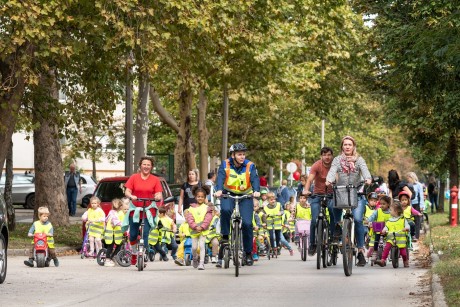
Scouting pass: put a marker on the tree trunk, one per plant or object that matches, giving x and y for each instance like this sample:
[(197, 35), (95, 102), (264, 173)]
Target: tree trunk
[(8, 188), (184, 157), (49, 171), (142, 119), (203, 135), (441, 197), (13, 86)]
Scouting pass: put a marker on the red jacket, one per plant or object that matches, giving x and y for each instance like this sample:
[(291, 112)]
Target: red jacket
[(206, 222)]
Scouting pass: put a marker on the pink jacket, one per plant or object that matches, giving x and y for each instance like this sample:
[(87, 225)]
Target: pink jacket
[(207, 218), (113, 219)]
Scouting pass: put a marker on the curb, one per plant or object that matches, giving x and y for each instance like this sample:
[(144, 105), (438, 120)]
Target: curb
[(25, 251), (437, 292)]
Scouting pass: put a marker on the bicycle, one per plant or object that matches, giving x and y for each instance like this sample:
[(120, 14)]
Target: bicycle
[(377, 227), (233, 250), (322, 232), (302, 229), (394, 251)]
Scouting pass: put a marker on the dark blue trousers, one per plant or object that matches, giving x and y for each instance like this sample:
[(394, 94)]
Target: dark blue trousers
[(246, 210)]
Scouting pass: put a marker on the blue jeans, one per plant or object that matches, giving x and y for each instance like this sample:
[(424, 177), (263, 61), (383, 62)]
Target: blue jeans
[(134, 231), (434, 202), (284, 242), (358, 214), (315, 204), (246, 211), (72, 200)]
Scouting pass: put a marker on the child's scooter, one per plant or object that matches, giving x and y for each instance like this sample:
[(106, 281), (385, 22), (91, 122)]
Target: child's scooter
[(41, 250)]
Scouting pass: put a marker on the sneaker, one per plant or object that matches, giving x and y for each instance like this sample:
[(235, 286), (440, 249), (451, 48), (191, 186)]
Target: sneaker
[(29, 262), (381, 262), (361, 259), (164, 258), (109, 263), (249, 260), (406, 263), (179, 261), (312, 251), (133, 259), (414, 239), (291, 252), (56, 262), (255, 257), (219, 263), (201, 267), (213, 259), (195, 262), (374, 256)]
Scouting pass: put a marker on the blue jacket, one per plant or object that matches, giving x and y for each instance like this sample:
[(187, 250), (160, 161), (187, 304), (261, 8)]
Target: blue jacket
[(221, 176)]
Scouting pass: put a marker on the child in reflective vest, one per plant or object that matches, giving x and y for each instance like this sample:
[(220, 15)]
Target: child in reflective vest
[(289, 221), (199, 218), (184, 232), (256, 231), (302, 213), (381, 215), (372, 199), (113, 234), (409, 212), (212, 238), (42, 226), (168, 231), (395, 227), (94, 218)]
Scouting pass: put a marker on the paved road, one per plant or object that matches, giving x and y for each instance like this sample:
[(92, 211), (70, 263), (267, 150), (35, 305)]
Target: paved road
[(280, 282)]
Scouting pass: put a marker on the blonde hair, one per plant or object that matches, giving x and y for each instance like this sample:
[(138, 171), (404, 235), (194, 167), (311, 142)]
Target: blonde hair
[(271, 194), (96, 199), (116, 204), (412, 176), (43, 210)]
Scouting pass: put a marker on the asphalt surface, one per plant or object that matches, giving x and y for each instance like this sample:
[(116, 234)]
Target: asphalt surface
[(286, 281)]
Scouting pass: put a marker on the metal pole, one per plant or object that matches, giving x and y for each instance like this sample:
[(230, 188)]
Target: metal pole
[(129, 125), (322, 133), (281, 171), (225, 125)]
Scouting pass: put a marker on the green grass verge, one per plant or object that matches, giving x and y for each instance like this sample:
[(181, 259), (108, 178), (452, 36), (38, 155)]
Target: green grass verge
[(63, 236), (446, 242)]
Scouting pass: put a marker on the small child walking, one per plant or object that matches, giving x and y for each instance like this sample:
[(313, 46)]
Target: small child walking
[(199, 219), (113, 234), (42, 226), (94, 218), (396, 226)]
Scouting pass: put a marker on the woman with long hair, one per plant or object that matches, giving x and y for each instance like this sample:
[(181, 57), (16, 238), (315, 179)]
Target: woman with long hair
[(186, 196)]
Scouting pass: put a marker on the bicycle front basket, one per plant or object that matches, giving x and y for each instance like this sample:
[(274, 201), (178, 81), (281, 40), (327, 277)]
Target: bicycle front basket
[(345, 197)]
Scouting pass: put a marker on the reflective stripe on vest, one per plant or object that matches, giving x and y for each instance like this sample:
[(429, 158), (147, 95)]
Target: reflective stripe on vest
[(153, 236), (302, 213), (212, 233), (40, 228), (273, 222), (237, 183), (96, 228), (166, 231), (393, 227), (198, 214), (113, 233)]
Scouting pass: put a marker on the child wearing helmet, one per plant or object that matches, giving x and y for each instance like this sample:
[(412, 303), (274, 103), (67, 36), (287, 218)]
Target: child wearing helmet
[(263, 201), (372, 199), (409, 212), (43, 225), (380, 215)]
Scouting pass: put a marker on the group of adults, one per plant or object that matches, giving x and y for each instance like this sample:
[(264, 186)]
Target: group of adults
[(238, 175)]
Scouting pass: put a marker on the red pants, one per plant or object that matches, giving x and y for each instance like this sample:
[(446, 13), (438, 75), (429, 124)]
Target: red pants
[(386, 251)]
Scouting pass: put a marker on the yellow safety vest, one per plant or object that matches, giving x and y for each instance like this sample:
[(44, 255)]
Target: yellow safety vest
[(184, 229), (113, 233), (198, 214), (40, 228), (96, 228), (302, 213), (368, 212), (382, 216), (212, 233), (166, 231), (408, 213), (237, 183), (275, 220), (154, 235), (394, 226)]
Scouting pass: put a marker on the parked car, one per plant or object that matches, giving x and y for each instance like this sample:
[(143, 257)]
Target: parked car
[(23, 189), (114, 187), (88, 186), (4, 236)]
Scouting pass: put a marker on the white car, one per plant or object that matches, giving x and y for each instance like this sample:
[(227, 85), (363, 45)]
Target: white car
[(88, 186)]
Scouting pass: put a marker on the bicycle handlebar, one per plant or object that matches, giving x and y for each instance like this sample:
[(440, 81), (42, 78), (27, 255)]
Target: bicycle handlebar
[(237, 197), (148, 199), (321, 195)]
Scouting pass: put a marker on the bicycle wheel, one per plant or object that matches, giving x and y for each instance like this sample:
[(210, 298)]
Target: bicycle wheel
[(334, 254), (101, 255), (268, 248), (236, 247), (226, 257), (395, 256), (304, 245), (319, 243), (347, 247), (324, 249), (124, 258)]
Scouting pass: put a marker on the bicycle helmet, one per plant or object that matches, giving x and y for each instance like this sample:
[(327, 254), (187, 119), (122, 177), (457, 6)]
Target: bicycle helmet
[(237, 147), (372, 195), (403, 193), (263, 191)]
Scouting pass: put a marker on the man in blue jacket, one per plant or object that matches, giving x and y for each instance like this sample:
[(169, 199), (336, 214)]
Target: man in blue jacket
[(238, 176)]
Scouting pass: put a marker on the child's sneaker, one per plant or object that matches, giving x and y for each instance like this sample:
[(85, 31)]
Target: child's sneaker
[(201, 266), (133, 259), (179, 261), (109, 263), (195, 262), (291, 252), (29, 262), (255, 257), (381, 262), (406, 263), (219, 263), (213, 259), (56, 262), (164, 258)]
